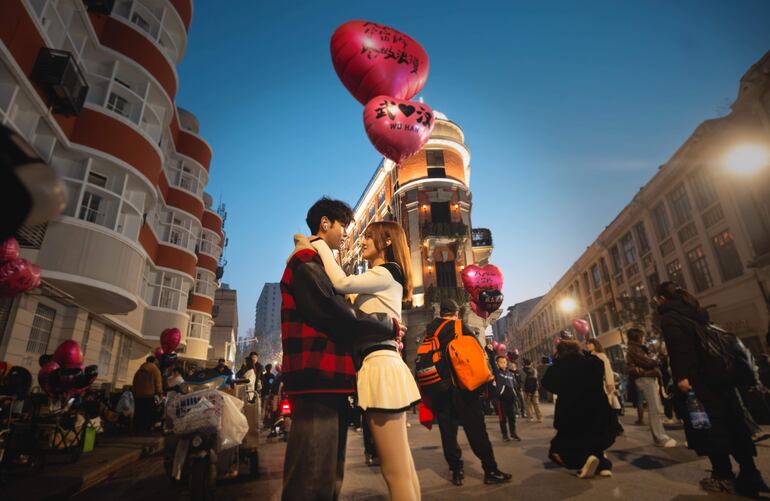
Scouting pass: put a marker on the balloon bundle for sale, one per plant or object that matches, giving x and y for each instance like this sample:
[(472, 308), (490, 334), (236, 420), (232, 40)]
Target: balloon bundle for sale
[(484, 284), (17, 275), (62, 374), (384, 68)]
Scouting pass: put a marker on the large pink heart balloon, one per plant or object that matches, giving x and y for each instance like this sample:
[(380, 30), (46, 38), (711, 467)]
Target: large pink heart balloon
[(17, 276), (398, 128), (477, 278), (170, 338), (581, 326), (68, 354), (373, 59), (9, 249)]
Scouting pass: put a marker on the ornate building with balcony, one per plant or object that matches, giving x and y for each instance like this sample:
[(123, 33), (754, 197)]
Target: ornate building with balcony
[(91, 85), (429, 195), (699, 221)]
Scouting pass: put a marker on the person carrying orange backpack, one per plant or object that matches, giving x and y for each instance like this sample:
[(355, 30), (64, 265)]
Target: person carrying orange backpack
[(459, 403)]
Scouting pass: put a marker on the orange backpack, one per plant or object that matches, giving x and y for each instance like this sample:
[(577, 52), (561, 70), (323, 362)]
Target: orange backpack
[(429, 358), (469, 360)]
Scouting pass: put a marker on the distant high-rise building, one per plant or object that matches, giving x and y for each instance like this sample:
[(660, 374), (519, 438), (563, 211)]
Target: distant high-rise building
[(267, 323), (225, 330)]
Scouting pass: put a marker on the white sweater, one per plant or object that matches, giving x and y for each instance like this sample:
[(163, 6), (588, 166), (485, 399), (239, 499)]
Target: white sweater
[(378, 291)]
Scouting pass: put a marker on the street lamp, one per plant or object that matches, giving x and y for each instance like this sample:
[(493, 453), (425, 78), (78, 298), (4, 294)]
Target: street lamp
[(568, 305), (747, 159)]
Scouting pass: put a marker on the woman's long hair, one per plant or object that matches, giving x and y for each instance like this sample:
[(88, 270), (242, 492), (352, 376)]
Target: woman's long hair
[(672, 290), (597, 345), (397, 252)]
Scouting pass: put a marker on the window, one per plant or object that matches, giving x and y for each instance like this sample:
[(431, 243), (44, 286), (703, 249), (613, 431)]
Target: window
[(680, 205), (641, 238), (86, 335), (445, 274), (89, 208), (434, 158), (141, 22), (662, 224), (605, 270), (629, 250), (97, 179), (371, 212), (713, 216), (615, 256), (699, 269), (703, 189), (639, 290), (674, 270), (727, 255), (381, 197), (42, 325), (654, 281), (105, 354), (439, 212), (126, 346), (586, 284), (596, 276), (119, 105)]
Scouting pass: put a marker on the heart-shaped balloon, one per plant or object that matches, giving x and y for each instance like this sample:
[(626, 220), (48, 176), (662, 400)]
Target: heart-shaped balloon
[(170, 338), (489, 300), (398, 128), (45, 373), (502, 349), (373, 59), (477, 278), (9, 249), (68, 354), (159, 352), (475, 308), (581, 326), (17, 276)]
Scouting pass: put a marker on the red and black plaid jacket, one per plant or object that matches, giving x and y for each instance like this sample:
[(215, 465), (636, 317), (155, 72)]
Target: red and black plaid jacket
[(316, 328)]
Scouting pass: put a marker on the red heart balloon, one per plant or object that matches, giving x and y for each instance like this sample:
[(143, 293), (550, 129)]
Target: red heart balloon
[(581, 326), (170, 338), (398, 128), (373, 59), (502, 349), (489, 300), (68, 354), (477, 278), (44, 373), (477, 309), (17, 276), (159, 352), (9, 249)]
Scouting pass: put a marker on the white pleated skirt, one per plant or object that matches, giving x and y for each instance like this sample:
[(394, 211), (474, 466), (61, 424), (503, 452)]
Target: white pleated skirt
[(384, 383)]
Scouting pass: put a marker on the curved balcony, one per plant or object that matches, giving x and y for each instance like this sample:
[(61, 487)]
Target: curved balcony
[(166, 254), (185, 9), (80, 258), (182, 199), (156, 320), (101, 131), (213, 221), (119, 36), (191, 145), (200, 303), (161, 24)]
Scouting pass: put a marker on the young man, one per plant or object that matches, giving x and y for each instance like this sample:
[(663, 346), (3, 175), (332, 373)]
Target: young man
[(531, 397), (505, 392), (318, 375), (458, 406)]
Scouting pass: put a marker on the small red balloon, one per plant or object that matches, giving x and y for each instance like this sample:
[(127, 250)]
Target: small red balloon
[(398, 128), (44, 373), (170, 338), (68, 354), (373, 59), (477, 309), (581, 326), (502, 349), (9, 249), (159, 352), (17, 276)]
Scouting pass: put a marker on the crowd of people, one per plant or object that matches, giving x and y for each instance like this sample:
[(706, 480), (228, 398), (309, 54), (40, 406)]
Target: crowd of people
[(338, 351)]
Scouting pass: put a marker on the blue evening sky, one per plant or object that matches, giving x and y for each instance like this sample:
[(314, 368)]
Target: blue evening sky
[(568, 107)]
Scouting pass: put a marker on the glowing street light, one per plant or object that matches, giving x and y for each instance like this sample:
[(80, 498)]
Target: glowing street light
[(747, 158), (568, 305)]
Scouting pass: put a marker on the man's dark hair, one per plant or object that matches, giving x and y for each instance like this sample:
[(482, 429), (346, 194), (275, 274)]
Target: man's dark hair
[(500, 356), (253, 353), (150, 359), (335, 210), (176, 369), (221, 361), (635, 334), (268, 367)]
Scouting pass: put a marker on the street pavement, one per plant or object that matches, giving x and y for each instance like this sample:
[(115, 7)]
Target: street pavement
[(641, 470)]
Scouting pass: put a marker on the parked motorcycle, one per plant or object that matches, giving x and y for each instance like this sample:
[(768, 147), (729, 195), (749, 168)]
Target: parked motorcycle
[(198, 452)]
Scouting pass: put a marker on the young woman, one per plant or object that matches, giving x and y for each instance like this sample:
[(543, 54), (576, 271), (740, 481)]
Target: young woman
[(596, 349), (386, 387)]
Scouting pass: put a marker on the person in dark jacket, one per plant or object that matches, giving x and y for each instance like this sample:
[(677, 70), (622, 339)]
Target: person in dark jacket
[(505, 393), (147, 387), (681, 317), (317, 329), (585, 423), (644, 372), (457, 406)]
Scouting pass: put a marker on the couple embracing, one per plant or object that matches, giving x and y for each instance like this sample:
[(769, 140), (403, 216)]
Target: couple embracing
[(331, 346)]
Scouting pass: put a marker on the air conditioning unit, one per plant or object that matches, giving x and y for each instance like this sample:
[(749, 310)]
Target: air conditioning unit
[(220, 272), (103, 7), (60, 77)]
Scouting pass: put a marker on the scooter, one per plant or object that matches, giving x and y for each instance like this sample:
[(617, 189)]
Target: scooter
[(282, 425), (191, 448)]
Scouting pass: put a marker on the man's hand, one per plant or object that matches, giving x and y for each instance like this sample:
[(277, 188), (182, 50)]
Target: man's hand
[(400, 329), (684, 385)]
